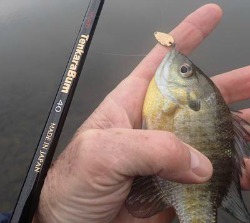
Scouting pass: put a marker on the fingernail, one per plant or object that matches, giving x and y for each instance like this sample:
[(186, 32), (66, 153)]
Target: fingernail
[(200, 164)]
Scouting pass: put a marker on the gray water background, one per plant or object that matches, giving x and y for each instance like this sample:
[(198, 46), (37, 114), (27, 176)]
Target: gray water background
[(36, 38)]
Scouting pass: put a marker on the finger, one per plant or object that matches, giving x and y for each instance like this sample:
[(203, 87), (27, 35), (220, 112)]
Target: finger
[(129, 94), (127, 153), (234, 85), (187, 35)]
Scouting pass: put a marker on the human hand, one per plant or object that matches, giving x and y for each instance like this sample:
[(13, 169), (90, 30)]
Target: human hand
[(92, 177)]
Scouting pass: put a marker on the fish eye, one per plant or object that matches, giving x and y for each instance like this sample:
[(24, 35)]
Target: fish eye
[(186, 70)]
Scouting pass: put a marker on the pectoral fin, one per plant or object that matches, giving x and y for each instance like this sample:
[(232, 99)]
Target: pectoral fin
[(233, 202), (145, 198), (195, 105), (193, 101), (169, 107)]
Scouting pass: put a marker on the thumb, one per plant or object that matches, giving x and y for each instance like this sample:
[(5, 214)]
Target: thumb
[(130, 152), (162, 153)]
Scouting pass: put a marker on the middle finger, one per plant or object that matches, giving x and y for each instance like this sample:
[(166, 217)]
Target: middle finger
[(234, 85)]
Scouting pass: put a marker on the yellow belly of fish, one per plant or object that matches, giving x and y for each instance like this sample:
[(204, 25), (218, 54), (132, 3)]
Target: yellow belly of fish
[(154, 109)]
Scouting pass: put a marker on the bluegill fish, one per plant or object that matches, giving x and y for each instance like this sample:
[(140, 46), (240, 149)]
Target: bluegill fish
[(183, 100)]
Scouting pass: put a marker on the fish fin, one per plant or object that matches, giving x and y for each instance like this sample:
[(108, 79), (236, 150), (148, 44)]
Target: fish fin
[(145, 198), (233, 202), (193, 101), (240, 128), (240, 143), (169, 107), (195, 105)]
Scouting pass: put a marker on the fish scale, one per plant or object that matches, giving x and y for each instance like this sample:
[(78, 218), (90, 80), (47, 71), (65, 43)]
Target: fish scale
[(211, 146), (181, 99)]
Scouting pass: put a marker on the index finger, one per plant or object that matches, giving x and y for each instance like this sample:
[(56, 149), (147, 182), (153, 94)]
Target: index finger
[(188, 35), (122, 107), (234, 85)]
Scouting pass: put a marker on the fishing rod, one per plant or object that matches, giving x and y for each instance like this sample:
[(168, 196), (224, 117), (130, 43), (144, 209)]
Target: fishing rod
[(31, 189)]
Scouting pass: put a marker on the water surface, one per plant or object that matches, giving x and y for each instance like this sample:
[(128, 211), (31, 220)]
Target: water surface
[(36, 38)]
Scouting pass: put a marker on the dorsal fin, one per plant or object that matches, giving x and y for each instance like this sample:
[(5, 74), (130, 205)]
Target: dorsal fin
[(233, 203)]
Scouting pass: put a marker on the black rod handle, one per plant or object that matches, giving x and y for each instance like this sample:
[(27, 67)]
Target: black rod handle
[(30, 192)]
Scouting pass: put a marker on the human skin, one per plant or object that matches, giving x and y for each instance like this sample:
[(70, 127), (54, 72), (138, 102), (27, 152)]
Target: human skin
[(91, 179)]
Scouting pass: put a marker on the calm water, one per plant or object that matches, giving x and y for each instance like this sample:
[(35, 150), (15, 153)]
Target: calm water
[(36, 38)]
